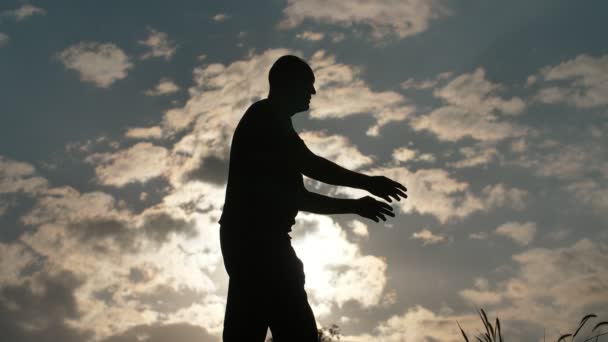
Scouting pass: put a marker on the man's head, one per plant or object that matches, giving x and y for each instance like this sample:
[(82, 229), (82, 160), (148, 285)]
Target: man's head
[(291, 83)]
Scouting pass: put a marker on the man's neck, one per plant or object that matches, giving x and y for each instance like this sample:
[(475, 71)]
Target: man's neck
[(281, 108)]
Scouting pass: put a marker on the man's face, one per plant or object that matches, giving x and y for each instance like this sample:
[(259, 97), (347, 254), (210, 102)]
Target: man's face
[(301, 93)]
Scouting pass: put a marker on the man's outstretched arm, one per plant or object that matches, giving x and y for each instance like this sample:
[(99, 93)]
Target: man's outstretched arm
[(329, 172), (366, 206)]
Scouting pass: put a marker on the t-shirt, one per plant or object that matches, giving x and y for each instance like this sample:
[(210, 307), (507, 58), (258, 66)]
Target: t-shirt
[(264, 180)]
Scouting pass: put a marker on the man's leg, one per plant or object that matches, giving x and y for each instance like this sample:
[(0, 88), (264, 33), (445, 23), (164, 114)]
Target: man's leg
[(244, 319), (290, 318)]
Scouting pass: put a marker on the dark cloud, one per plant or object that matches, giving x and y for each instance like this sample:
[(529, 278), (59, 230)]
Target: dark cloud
[(164, 299), (156, 227), (211, 169), (36, 309), (98, 232), (181, 332)]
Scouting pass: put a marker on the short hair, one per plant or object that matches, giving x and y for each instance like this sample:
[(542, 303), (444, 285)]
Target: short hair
[(287, 70)]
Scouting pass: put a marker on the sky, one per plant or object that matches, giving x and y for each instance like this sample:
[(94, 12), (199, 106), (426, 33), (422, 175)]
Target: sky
[(116, 126)]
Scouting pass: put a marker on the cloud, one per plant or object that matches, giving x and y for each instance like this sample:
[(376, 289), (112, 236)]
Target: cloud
[(480, 295), (551, 286), (14, 258), (183, 332), (164, 87), (139, 163), (154, 132), (591, 193), (522, 233), (385, 18), (445, 198), (472, 108), (479, 154), (20, 177), (405, 154), (220, 17), (341, 93), (585, 78), (99, 63), (66, 205), (359, 228), (425, 84), (222, 93), (158, 44), (39, 307), (336, 148), (427, 237), (351, 275), (4, 39), (478, 236), (418, 324), (23, 12), (128, 262), (311, 36), (581, 167)]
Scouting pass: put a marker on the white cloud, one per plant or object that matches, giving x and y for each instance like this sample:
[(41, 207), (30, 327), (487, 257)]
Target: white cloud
[(522, 233), (341, 93), (67, 205), (336, 148), (99, 63), (428, 237), (385, 18), (311, 36), (139, 163), (586, 78), (154, 132), (425, 84), (24, 12), (479, 154), (158, 44), (419, 324), (359, 228), (405, 154), (434, 192), (165, 86), (472, 108), (4, 39), (18, 176)]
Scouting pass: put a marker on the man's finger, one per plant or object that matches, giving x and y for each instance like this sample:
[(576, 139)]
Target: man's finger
[(389, 213), (400, 186), (386, 206)]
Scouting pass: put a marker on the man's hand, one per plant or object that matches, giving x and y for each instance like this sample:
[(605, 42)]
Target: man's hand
[(373, 209), (385, 188)]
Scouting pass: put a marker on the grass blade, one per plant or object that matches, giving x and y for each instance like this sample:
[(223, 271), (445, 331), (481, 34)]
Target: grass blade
[(466, 338), (583, 321), (599, 325), (563, 337)]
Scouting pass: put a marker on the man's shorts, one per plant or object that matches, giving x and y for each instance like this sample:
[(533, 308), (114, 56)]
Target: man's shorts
[(266, 289)]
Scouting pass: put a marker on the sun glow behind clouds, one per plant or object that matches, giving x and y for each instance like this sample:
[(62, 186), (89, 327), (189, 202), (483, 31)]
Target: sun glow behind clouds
[(336, 271)]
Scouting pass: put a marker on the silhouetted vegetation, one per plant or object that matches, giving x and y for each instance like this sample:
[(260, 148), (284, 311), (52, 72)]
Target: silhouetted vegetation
[(326, 334), (493, 333)]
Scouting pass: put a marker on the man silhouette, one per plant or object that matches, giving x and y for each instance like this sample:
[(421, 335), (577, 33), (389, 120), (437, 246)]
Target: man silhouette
[(265, 191)]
